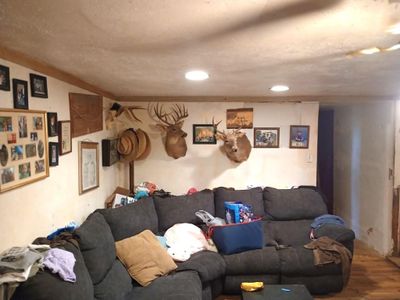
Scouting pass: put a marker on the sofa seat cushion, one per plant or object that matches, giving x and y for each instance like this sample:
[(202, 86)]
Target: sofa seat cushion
[(97, 246), (293, 204), (288, 233), (260, 261), (176, 286), (300, 261), (144, 257), (45, 285), (181, 209), (116, 285), (131, 219), (252, 197), (209, 265)]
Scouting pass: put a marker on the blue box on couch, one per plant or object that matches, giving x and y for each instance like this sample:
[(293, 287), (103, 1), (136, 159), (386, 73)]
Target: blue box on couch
[(237, 212)]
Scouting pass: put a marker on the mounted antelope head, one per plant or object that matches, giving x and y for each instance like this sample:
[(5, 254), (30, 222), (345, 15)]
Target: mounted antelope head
[(236, 144), (171, 124)]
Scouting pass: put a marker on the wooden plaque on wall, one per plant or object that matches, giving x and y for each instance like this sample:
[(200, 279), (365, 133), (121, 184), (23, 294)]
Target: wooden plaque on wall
[(86, 113)]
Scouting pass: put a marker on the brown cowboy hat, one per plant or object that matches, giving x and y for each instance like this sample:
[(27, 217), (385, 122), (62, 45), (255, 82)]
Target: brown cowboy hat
[(144, 144), (128, 145)]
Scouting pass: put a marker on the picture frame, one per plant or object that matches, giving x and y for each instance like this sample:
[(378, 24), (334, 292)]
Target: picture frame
[(64, 137), (109, 152), (20, 94), (204, 134), (23, 151), (53, 154), (266, 137), (88, 166), (38, 85), (4, 78), (299, 136), (52, 124), (239, 118)]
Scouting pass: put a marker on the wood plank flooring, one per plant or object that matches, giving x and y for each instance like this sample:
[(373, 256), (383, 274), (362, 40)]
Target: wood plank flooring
[(372, 278)]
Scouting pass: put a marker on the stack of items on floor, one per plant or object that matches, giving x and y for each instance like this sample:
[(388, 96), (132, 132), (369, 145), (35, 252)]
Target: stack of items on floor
[(123, 252)]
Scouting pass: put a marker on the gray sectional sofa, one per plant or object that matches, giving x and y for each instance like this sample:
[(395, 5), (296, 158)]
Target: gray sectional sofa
[(286, 214)]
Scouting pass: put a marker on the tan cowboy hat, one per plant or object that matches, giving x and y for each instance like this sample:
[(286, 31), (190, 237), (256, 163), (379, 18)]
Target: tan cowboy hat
[(128, 145), (144, 144)]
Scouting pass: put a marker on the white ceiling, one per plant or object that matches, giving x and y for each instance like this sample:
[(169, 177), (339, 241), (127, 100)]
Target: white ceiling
[(144, 47)]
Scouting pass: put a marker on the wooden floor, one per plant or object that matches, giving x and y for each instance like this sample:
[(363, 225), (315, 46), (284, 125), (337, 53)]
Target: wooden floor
[(372, 278)]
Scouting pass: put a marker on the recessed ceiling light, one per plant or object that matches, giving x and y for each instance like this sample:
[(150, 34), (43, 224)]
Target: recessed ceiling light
[(395, 29), (196, 75), (394, 47), (279, 88), (369, 51)]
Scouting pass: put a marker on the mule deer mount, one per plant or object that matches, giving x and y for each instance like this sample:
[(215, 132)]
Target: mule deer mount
[(236, 146), (171, 125)]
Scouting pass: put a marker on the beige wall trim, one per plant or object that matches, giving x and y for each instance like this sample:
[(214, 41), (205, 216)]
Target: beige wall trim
[(41, 67), (324, 99)]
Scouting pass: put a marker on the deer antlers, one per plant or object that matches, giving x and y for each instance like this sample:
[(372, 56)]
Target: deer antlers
[(177, 114)]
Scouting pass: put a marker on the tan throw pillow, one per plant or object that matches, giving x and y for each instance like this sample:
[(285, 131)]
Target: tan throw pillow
[(144, 257)]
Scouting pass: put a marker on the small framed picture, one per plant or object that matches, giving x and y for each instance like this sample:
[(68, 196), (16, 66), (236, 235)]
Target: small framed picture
[(64, 137), (239, 118), (204, 134), (4, 78), (266, 137), (38, 86), (20, 93), (88, 166), (53, 154), (109, 152), (52, 124), (299, 136)]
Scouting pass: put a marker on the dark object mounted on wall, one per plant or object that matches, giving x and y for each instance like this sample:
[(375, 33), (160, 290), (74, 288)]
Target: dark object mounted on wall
[(20, 93), (110, 153), (4, 78), (38, 86), (53, 154), (52, 128), (86, 113)]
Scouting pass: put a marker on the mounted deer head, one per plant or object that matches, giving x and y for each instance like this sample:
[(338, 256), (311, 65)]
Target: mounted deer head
[(236, 144), (171, 124)]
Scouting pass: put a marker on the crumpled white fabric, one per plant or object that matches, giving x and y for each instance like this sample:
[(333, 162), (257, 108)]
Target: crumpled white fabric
[(185, 239)]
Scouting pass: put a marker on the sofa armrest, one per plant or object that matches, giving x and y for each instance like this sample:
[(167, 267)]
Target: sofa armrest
[(338, 233)]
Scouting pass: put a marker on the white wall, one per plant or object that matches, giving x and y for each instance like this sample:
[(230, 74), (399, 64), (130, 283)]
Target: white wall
[(204, 166), (363, 155), (38, 208)]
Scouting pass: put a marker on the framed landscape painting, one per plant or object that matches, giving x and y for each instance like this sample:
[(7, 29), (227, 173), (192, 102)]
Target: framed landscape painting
[(204, 134)]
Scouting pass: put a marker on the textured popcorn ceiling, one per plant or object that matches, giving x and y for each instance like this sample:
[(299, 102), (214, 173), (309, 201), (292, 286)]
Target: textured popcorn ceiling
[(144, 47)]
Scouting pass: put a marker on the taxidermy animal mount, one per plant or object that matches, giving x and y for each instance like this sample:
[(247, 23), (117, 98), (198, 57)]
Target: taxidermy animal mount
[(117, 111), (171, 125), (236, 146)]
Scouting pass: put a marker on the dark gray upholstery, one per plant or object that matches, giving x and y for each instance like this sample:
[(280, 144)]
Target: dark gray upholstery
[(47, 286), (338, 233), (288, 233), (181, 209), (232, 282), (116, 285), (97, 245), (293, 204), (322, 284), (209, 265), (177, 286), (260, 261), (131, 219), (253, 197)]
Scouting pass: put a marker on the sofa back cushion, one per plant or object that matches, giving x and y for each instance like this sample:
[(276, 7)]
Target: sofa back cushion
[(97, 246), (288, 233), (293, 204), (131, 219), (182, 209), (251, 197)]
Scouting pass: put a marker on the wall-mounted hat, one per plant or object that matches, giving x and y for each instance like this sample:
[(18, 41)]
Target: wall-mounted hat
[(144, 144), (128, 145)]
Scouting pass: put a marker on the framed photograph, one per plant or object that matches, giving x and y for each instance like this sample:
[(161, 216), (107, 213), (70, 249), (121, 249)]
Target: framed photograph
[(88, 166), (266, 137), (204, 134), (23, 157), (52, 124), (109, 152), (20, 94), (53, 154), (239, 118), (4, 78), (38, 86), (299, 136), (64, 137)]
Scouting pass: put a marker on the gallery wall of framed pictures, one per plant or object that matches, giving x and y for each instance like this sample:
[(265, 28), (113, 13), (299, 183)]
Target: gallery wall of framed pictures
[(23, 148)]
